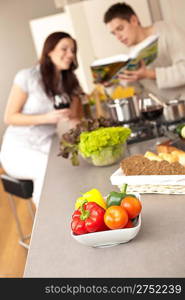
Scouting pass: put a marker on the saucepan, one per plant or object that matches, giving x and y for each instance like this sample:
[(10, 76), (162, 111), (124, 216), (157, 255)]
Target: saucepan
[(124, 109), (174, 110)]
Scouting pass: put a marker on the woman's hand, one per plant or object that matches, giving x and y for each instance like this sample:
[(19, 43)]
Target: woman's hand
[(141, 73), (56, 115), (14, 116), (73, 122)]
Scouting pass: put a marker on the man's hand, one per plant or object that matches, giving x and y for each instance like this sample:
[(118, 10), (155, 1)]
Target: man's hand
[(141, 73)]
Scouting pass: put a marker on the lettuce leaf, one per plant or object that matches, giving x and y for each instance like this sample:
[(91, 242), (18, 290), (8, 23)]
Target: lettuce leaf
[(108, 155), (92, 143)]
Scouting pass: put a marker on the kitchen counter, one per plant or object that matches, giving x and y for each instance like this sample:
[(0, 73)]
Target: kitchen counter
[(157, 251)]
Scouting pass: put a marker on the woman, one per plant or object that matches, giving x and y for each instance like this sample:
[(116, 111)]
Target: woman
[(40, 97)]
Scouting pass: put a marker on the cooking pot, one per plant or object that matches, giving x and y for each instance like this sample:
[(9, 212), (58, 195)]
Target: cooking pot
[(174, 110), (124, 109)]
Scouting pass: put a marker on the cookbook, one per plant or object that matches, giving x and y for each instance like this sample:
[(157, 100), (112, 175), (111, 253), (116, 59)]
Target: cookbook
[(107, 69)]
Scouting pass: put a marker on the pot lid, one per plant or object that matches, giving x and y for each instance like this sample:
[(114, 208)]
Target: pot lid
[(175, 101), (118, 102)]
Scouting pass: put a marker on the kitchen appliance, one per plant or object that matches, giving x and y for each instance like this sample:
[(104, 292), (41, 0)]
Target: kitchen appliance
[(174, 110), (143, 130), (123, 110)]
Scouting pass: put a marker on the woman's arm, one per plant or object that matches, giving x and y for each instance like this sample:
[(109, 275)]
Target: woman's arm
[(14, 116)]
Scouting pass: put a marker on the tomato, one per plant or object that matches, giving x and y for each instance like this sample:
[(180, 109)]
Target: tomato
[(115, 217), (129, 224), (132, 205)]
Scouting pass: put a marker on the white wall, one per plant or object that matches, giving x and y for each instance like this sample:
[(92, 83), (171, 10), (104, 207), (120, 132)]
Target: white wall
[(173, 11), (42, 27), (104, 43), (16, 44)]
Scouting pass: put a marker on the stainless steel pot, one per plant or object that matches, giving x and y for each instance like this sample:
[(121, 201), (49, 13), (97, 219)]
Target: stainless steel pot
[(174, 110), (123, 110)]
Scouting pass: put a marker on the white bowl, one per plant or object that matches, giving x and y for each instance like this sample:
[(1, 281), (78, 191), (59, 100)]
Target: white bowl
[(109, 237)]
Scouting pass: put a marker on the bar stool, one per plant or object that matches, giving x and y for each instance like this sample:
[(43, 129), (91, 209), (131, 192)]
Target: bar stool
[(24, 190)]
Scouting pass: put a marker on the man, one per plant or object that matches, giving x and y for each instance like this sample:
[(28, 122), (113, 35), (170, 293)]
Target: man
[(165, 77)]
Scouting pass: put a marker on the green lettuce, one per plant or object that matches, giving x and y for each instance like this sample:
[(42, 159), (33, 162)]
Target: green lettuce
[(92, 143), (108, 155)]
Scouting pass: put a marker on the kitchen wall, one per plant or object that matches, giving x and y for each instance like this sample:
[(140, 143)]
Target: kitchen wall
[(16, 44), (173, 11)]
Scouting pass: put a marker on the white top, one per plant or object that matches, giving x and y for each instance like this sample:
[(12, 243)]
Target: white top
[(170, 63), (35, 136)]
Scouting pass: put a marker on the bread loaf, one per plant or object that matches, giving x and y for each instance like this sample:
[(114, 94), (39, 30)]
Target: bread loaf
[(170, 157), (180, 155), (140, 165), (165, 148), (152, 156), (171, 154)]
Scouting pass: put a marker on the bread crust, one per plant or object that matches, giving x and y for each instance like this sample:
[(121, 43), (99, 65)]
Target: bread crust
[(140, 165), (172, 153)]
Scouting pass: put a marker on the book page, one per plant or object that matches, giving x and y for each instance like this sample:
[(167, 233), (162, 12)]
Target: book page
[(147, 54), (107, 69)]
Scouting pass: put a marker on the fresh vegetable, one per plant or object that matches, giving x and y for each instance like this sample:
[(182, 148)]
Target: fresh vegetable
[(106, 156), (88, 218), (129, 224), (132, 205), (93, 195), (100, 139), (116, 217), (179, 128), (183, 132), (115, 198), (93, 142)]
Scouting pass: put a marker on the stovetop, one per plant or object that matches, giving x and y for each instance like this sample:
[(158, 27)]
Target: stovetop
[(145, 130)]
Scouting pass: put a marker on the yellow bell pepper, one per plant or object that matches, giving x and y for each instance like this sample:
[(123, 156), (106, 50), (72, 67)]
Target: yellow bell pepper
[(93, 195)]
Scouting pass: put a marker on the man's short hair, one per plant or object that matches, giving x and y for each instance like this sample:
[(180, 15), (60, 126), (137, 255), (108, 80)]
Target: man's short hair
[(119, 10)]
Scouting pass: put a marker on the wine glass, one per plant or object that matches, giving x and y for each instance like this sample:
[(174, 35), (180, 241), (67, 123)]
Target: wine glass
[(151, 111)]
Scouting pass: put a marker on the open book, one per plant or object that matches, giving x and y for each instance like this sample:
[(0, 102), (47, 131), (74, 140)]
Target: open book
[(107, 69)]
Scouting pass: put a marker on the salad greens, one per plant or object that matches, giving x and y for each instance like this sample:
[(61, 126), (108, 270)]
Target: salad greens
[(108, 155), (101, 139), (93, 142)]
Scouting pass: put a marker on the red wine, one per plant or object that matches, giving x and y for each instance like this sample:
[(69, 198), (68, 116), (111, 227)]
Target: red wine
[(152, 112)]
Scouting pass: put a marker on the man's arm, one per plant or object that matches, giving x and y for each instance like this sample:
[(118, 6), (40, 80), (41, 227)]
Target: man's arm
[(171, 76)]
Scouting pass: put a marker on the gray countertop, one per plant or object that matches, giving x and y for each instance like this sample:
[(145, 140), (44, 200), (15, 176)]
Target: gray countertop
[(157, 251)]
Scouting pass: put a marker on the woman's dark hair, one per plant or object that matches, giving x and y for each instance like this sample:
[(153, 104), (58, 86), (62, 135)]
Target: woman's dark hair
[(119, 10), (48, 73)]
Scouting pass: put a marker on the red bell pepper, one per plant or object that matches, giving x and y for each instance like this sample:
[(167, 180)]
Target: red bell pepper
[(88, 218)]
